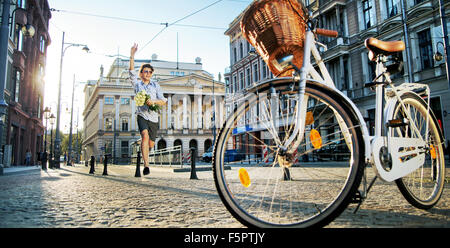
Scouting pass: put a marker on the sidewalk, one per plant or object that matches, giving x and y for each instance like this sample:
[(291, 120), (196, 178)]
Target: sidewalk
[(21, 169)]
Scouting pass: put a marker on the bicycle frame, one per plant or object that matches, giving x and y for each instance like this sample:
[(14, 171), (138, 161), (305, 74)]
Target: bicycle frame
[(309, 73)]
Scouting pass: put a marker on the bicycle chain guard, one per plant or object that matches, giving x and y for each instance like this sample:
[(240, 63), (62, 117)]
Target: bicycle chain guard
[(408, 154)]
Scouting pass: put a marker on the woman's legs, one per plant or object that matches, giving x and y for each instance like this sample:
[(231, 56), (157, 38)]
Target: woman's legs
[(146, 145), (145, 142)]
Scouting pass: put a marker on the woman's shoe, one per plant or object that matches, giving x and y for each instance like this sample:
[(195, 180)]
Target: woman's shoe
[(146, 171)]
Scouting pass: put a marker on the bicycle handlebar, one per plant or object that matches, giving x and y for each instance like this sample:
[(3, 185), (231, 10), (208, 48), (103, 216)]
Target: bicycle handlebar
[(326, 32)]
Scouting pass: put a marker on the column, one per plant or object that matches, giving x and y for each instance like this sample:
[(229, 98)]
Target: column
[(199, 112), (116, 117), (133, 114), (169, 112), (184, 112)]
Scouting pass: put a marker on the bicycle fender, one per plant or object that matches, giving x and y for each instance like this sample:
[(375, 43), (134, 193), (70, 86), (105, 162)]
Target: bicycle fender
[(391, 103)]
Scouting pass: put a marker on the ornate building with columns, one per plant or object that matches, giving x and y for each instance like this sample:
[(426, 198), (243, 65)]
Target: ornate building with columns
[(109, 113)]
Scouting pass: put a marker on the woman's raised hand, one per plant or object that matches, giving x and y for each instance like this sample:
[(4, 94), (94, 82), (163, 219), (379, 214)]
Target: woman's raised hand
[(134, 48)]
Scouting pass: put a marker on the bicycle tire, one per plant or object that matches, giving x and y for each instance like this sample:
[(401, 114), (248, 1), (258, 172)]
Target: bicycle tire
[(420, 191), (308, 198)]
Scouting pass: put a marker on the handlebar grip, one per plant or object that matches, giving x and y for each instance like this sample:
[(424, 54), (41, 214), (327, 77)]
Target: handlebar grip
[(327, 32)]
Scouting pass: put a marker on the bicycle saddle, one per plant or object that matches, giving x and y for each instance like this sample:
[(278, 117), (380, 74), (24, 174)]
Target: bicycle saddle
[(378, 47)]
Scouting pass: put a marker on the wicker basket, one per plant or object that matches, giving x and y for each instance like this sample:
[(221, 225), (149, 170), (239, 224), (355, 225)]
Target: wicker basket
[(276, 28)]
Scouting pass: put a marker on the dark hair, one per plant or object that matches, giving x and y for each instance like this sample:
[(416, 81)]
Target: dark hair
[(143, 66)]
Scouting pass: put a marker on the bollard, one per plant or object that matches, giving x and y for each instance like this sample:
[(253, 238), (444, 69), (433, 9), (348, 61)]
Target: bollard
[(105, 166), (44, 160), (286, 174), (193, 156), (138, 165), (92, 170)]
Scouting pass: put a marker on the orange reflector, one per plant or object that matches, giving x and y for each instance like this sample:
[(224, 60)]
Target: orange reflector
[(315, 138), (432, 152), (244, 177), (309, 118)]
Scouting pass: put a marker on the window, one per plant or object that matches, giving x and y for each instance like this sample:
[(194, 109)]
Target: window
[(17, 86), (125, 101), (391, 6), (39, 106), (367, 6), (177, 73), (255, 73), (249, 77), (124, 125), (108, 124), (21, 3), (372, 70), (235, 54), (42, 44), (109, 100), (241, 80), (241, 50), (19, 40), (264, 70), (426, 51), (108, 146)]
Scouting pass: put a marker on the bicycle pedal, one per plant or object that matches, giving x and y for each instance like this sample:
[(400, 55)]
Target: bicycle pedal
[(397, 123), (357, 198)]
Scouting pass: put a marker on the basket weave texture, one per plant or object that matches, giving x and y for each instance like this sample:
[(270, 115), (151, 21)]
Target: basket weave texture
[(276, 28)]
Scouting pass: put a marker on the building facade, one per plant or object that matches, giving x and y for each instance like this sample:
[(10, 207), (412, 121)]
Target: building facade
[(346, 58), (24, 88), (110, 120)]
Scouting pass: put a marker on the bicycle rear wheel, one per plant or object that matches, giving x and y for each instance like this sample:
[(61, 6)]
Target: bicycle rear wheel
[(423, 187), (268, 187)]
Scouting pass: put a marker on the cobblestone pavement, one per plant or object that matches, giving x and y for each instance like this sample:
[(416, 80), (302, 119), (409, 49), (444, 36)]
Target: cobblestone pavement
[(71, 197)]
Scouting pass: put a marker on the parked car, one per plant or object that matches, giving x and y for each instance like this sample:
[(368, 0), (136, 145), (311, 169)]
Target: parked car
[(207, 156), (231, 155), (337, 151), (234, 155)]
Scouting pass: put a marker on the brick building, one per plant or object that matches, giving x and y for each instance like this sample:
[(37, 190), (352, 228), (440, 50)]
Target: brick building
[(24, 88)]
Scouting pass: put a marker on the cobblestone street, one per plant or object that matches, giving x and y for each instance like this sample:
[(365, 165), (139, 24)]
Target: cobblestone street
[(71, 197)]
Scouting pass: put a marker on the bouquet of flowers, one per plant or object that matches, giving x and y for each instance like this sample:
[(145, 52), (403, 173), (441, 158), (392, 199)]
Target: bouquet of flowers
[(141, 99)]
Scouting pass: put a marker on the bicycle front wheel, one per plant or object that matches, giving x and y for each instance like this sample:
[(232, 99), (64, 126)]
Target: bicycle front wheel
[(423, 187), (264, 185)]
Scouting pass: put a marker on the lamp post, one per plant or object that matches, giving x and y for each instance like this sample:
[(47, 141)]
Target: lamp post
[(69, 155), (58, 111), (27, 30), (46, 117), (52, 122)]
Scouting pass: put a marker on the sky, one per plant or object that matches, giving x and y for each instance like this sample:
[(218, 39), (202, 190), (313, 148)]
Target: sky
[(111, 27)]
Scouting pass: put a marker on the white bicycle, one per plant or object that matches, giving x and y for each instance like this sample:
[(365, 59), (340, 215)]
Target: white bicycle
[(317, 144)]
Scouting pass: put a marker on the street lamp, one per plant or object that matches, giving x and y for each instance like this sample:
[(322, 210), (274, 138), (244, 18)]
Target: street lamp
[(52, 122), (46, 117), (58, 112), (4, 40)]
